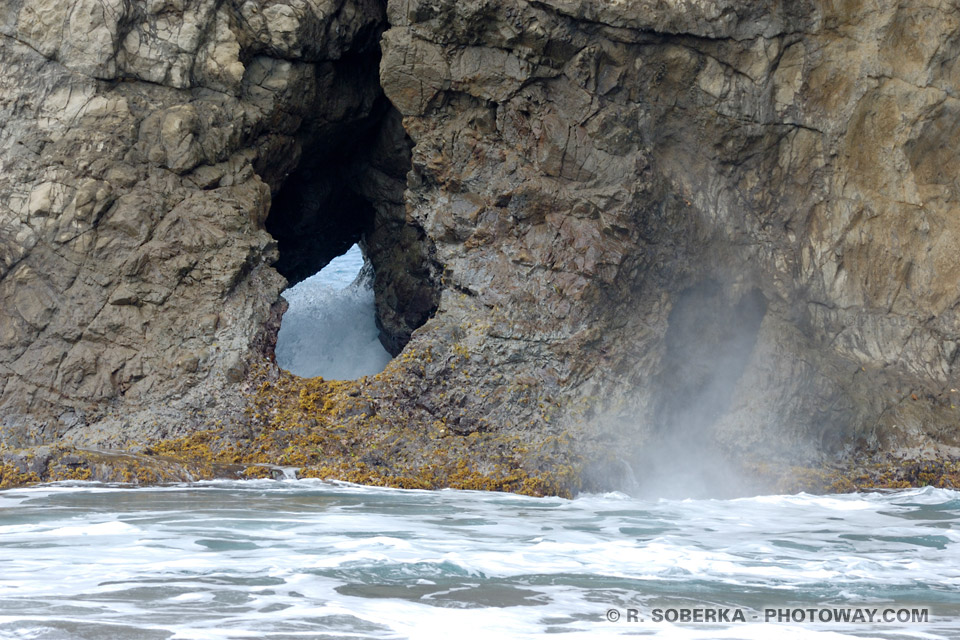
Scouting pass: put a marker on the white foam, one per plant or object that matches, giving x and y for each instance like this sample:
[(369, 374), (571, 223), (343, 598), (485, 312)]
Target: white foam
[(330, 328), (262, 559)]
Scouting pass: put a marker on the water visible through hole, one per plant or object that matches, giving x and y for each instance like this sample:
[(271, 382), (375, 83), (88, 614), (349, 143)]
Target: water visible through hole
[(330, 328)]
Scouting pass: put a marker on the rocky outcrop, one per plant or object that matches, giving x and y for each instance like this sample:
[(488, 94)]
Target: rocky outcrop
[(719, 225), (682, 227), (142, 147)]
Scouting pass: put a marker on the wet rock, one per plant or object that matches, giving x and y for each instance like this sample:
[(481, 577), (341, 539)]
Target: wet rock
[(581, 166), (575, 210), (135, 269)]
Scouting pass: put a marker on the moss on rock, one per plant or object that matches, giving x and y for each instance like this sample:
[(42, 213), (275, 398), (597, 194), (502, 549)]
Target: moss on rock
[(335, 430)]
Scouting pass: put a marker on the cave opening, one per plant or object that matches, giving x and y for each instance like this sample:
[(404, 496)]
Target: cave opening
[(315, 218), (319, 209), (360, 274)]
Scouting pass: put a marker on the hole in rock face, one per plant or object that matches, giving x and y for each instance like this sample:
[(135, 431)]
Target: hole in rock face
[(315, 216), (347, 192), (330, 328)]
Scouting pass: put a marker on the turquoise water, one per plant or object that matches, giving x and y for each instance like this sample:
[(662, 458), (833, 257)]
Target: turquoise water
[(308, 559)]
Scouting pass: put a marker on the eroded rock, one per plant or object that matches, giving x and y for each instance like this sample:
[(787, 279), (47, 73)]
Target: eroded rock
[(582, 165), (142, 146), (605, 220)]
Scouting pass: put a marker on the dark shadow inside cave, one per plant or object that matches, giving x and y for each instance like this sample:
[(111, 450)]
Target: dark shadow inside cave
[(348, 190), (315, 218), (319, 212)]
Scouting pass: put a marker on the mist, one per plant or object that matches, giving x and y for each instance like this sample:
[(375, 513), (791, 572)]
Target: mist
[(708, 344)]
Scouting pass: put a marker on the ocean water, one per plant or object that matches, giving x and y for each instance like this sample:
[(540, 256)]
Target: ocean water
[(309, 559), (330, 328)]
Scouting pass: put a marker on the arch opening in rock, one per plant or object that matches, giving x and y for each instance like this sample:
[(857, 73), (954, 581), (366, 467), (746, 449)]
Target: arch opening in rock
[(316, 215), (345, 198)]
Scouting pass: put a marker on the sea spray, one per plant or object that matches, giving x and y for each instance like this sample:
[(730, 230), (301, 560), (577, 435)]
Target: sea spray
[(330, 328)]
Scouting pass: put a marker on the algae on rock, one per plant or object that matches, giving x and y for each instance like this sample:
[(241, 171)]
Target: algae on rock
[(571, 206)]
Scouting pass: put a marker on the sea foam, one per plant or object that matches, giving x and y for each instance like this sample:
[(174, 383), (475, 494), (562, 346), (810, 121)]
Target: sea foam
[(313, 559), (330, 328)]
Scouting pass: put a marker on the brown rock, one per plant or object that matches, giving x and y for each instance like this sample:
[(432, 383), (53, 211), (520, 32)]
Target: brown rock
[(731, 223)]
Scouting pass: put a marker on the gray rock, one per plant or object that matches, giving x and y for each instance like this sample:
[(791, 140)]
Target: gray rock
[(586, 168), (134, 197), (728, 223)]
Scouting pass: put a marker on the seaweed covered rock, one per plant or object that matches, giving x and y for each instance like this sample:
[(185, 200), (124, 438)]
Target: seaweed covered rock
[(659, 233)]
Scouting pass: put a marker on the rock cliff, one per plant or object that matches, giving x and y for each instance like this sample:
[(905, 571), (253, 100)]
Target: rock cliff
[(143, 146), (726, 225), (600, 229)]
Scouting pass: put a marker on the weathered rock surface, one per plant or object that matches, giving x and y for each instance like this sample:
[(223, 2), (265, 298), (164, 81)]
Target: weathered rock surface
[(728, 223), (141, 146), (728, 226)]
